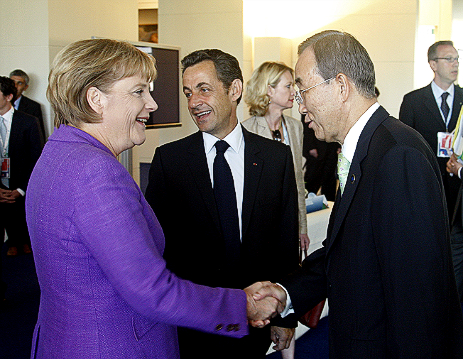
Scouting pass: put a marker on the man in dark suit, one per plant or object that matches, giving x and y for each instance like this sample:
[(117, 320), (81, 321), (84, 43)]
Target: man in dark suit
[(425, 111), (25, 104), (182, 191), (21, 146), (385, 266)]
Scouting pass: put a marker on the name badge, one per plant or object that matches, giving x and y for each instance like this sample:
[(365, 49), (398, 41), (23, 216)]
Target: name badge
[(5, 167), (444, 144)]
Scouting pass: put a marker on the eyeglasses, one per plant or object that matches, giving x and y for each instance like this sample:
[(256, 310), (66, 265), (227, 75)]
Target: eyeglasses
[(298, 95), (450, 60)]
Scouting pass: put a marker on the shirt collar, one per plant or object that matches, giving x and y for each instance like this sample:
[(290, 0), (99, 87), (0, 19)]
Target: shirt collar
[(350, 142), (16, 103), (8, 116), (234, 139), (437, 91)]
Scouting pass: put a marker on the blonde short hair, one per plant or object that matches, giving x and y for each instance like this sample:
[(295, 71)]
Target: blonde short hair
[(92, 63), (267, 74)]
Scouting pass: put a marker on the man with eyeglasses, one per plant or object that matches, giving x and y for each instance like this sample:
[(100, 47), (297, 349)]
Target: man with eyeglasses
[(385, 266), (433, 111)]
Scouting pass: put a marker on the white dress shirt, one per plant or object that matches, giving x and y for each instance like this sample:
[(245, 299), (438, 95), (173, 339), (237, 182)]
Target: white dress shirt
[(437, 92), (235, 158)]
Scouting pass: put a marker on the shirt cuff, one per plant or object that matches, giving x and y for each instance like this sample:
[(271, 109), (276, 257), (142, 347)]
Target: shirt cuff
[(289, 306), (21, 192)]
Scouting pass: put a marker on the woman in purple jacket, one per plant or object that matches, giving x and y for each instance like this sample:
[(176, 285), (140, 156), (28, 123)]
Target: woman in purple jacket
[(105, 289)]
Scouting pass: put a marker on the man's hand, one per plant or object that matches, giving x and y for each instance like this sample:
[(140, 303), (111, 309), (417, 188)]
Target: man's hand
[(8, 196), (261, 310), (304, 241), (281, 337), (265, 301), (453, 166)]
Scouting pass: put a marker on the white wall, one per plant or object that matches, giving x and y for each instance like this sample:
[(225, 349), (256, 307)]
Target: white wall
[(35, 30), (386, 28)]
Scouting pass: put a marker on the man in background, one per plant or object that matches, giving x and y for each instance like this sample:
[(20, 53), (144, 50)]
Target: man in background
[(250, 234), (21, 146), (433, 111), (23, 103)]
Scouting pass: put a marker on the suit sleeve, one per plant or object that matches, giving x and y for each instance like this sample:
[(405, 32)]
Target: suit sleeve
[(156, 181), (117, 229), (35, 146), (289, 246)]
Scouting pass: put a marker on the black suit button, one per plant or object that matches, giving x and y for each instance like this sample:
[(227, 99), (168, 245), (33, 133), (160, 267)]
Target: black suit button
[(218, 327), (230, 327)]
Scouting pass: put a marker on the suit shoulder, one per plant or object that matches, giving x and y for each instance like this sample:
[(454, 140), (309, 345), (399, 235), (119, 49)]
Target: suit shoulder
[(24, 117), (416, 93), (181, 144), (393, 130), (30, 101)]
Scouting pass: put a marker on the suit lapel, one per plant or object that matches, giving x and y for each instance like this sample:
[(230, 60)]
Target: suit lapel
[(262, 127), (433, 107), (355, 173), (197, 164), (253, 165)]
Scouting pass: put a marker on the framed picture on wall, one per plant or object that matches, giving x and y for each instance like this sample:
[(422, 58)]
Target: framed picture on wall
[(166, 88)]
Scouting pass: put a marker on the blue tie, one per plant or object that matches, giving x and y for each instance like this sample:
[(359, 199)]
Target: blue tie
[(444, 106), (225, 197)]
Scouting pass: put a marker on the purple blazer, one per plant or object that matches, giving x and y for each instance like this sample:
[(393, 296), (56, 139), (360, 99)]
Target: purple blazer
[(105, 289)]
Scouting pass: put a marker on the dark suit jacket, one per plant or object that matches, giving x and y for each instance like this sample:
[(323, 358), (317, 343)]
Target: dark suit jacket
[(420, 111), (181, 195), (25, 147), (385, 265), (33, 108)]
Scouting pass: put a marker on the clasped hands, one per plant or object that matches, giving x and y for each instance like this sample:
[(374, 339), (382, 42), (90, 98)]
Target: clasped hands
[(265, 300), (453, 166), (8, 196)]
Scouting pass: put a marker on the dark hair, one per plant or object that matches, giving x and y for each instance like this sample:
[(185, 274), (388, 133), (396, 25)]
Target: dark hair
[(20, 73), (226, 65), (8, 87), (339, 52), (432, 51)]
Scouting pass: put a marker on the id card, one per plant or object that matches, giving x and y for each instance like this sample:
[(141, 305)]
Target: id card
[(444, 144), (5, 167)]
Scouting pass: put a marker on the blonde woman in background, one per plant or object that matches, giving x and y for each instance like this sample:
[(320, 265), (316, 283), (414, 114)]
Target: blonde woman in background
[(269, 92)]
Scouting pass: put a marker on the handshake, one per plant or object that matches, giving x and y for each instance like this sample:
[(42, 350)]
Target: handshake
[(265, 300)]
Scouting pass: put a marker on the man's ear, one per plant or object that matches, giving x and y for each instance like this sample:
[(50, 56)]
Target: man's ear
[(344, 85), (236, 89), (433, 65), (9, 97), (96, 99)]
